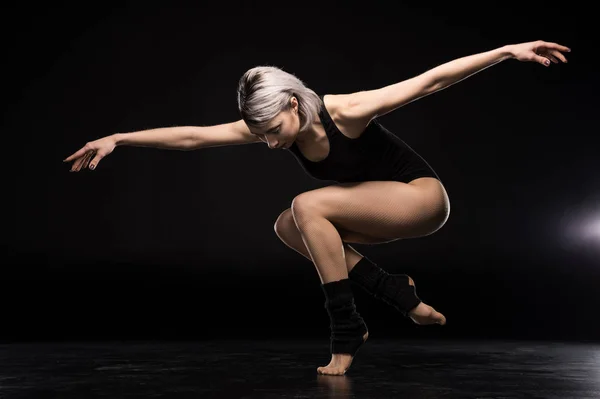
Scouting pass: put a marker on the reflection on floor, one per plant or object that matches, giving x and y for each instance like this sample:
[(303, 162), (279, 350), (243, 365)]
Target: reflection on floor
[(282, 369)]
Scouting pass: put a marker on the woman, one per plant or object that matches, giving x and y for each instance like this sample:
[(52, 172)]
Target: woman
[(385, 191)]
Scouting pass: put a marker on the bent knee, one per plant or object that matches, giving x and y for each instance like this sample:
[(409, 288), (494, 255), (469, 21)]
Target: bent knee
[(303, 207), (284, 223)]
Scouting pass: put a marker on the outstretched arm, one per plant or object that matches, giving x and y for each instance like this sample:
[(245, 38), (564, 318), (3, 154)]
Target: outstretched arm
[(369, 104), (179, 138), (454, 71)]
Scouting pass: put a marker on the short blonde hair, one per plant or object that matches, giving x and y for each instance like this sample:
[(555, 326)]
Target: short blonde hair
[(265, 91)]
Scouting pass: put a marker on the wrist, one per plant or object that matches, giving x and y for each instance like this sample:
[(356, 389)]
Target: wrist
[(117, 138), (507, 51)]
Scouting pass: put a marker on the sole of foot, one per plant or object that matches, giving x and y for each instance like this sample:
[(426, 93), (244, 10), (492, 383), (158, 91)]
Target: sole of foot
[(424, 314)]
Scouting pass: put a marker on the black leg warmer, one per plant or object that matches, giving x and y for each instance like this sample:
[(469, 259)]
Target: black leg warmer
[(392, 289), (347, 326)]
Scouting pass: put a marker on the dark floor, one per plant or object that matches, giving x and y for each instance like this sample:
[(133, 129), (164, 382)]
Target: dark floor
[(267, 369)]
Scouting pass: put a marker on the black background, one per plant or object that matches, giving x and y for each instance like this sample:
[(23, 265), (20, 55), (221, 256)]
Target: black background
[(180, 245)]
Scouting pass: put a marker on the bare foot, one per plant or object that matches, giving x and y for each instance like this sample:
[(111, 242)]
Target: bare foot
[(424, 314), (340, 362)]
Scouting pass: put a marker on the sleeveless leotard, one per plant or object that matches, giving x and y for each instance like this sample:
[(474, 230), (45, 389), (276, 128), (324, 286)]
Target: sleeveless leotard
[(377, 154)]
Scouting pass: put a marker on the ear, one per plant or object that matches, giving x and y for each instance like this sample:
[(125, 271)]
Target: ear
[(294, 102)]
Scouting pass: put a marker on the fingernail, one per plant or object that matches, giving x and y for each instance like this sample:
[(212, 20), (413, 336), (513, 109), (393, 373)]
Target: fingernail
[(92, 167), (547, 62)]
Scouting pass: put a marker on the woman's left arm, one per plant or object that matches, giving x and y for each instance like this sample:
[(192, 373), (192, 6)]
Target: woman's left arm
[(456, 70), (365, 105)]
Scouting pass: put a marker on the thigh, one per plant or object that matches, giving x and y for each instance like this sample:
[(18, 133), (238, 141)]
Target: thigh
[(285, 228), (381, 210)]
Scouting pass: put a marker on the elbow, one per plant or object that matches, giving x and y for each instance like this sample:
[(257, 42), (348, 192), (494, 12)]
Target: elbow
[(430, 83), (435, 83), (191, 141)]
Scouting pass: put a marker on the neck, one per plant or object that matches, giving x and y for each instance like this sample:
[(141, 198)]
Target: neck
[(312, 134)]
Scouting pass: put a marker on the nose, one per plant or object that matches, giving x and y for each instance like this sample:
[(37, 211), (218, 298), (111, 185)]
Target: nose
[(273, 145)]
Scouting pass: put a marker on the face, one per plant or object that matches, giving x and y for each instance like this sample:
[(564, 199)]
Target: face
[(282, 130)]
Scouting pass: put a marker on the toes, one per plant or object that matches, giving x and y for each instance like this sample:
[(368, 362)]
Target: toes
[(440, 318), (330, 371)]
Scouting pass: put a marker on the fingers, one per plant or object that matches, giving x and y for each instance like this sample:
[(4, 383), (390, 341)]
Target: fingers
[(75, 165), (84, 158), (551, 58), (546, 52), (552, 51), (543, 56), (542, 60), (558, 55), (87, 160), (76, 154), (556, 46), (95, 161), (81, 161)]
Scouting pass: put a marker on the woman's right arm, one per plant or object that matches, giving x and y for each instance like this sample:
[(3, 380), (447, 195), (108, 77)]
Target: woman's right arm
[(183, 138), (189, 137)]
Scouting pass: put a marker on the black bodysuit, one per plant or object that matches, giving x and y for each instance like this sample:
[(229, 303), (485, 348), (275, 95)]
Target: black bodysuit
[(377, 154)]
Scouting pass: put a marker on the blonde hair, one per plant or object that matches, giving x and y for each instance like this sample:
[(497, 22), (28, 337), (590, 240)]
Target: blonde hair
[(265, 91)]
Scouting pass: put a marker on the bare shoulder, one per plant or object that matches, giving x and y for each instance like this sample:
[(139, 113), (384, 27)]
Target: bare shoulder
[(244, 134), (340, 107)]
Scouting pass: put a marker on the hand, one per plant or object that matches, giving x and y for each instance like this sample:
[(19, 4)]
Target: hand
[(539, 51), (94, 151)]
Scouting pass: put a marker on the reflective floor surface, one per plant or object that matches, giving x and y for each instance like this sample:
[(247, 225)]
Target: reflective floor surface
[(266, 369)]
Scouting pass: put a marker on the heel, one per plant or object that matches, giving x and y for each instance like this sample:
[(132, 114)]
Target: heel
[(393, 289), (350, 346)]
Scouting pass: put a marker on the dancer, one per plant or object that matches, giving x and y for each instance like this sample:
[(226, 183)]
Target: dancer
[(384, 191)]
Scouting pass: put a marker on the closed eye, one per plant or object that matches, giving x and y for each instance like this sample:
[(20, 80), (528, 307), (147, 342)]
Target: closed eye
[(274, 129)]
